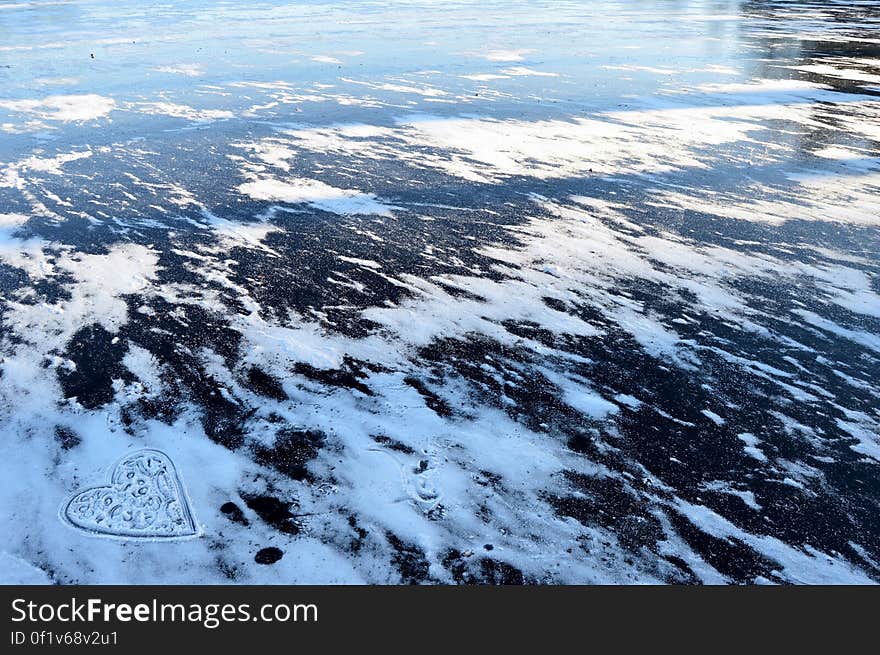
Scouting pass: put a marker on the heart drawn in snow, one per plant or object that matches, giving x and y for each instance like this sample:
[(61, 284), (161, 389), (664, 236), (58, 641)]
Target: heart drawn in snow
[(144, 500)]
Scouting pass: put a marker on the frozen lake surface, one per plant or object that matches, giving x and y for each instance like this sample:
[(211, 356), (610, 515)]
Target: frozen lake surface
[(440, 292)]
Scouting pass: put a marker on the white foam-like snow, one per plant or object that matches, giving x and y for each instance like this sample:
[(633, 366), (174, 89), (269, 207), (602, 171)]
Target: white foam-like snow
[(317, 194), (176, 110), (639, 140), (804, 566), (188, 70), (506, 54), (9, 222), (16, 571), (484, 77), (838, 71), (523, 71), (64, 108)]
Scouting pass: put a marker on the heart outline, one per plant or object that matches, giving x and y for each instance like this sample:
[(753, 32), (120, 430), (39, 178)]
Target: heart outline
[(166, 482)]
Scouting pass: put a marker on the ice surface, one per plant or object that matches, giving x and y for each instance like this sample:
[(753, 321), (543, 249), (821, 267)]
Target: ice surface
[(446, 295)]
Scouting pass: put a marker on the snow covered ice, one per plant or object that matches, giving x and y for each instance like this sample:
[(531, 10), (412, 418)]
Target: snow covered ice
[(440, 292)]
